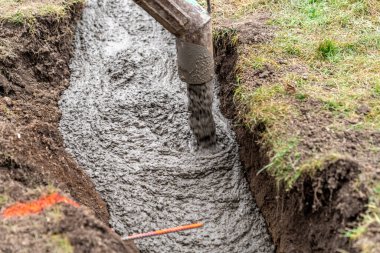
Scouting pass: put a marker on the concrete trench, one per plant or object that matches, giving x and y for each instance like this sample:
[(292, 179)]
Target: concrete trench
[(125, 120)]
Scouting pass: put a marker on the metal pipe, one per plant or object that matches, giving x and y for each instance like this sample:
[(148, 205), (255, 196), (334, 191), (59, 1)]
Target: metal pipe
[(191, 25)]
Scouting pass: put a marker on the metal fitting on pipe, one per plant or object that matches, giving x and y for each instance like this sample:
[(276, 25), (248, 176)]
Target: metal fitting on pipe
[(191, 25)]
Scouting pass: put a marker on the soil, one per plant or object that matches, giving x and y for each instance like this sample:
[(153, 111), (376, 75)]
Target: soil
[(61, 228), (34, 71), (32, 78), (310, 217)]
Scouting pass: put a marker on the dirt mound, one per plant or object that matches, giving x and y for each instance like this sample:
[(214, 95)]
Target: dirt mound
[(61, 228)]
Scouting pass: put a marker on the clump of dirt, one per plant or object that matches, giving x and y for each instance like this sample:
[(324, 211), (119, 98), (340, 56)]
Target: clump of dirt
[(61, 228), (310, 216), (251, 30), (34, 71)]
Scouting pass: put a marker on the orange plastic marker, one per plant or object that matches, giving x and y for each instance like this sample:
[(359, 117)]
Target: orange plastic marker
[(164, 231), (36, 206)]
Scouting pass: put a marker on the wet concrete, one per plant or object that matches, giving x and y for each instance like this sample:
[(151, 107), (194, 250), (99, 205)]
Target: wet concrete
[(125, 119), (201, 120)]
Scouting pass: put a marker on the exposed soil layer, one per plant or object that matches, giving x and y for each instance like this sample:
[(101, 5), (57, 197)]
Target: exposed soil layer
[(310, 217), (61, 228), (34, 71), (125, 119)]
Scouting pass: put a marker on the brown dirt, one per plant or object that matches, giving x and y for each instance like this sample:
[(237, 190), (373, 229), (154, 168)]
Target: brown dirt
[(34, 71), (32, 78), (61, 228), (310, 217)]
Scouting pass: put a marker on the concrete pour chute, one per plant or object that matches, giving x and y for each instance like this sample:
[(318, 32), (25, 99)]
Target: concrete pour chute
[(125, 120)]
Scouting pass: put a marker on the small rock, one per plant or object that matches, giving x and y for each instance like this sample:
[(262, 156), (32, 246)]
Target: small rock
[(353, 121), (290, 88), (264, 74), (8, 101)]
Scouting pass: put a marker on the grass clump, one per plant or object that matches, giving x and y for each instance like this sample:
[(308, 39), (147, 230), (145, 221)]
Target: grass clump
[(265, 105), (376, 89), (327, 49), (3, 200), (283, 162), (61, 244), (287, 166), (17, 18), (227, 36), (268, 106)]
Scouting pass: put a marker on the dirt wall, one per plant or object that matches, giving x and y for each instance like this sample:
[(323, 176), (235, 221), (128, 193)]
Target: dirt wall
[(34, 70), (33, 73), (311, 216)]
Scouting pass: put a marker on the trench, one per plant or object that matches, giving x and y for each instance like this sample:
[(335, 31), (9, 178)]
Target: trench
[(125, 120)]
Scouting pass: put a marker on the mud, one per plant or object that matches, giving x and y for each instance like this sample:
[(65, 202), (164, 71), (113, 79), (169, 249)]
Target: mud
[(125, 119)]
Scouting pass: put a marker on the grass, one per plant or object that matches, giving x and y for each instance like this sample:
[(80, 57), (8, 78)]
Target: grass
[(3, 200), (61, 244), (369, 225), (337, 44), (54, 214), (284, 156), (25, 11), (326, 60), (226, 35), (327, 49)]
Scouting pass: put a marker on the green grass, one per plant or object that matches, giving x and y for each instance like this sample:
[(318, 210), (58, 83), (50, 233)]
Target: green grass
[(370, 223), (61, 244), (264, 105), (21, 12), (225, 35), (326, 56), (338, 45), (283, 160), (3, 200), (327, 49)]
